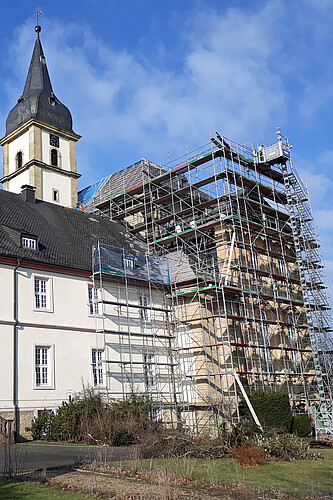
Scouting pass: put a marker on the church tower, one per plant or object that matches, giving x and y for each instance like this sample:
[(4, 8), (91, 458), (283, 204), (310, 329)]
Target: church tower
[(39, 148)]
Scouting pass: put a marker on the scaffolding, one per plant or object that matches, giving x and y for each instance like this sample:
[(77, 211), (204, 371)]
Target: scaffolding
[(247, 300), (133, 330)]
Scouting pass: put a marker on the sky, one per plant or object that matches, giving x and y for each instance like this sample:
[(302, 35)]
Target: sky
[(150, 78)]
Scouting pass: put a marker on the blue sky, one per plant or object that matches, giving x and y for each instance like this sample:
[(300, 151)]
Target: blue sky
[(145, 78)]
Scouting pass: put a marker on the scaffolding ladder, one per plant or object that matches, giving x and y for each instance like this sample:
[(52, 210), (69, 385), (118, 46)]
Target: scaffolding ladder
[(316, 301)]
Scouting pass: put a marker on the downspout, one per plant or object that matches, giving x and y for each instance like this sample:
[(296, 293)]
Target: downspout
[(15, 353)]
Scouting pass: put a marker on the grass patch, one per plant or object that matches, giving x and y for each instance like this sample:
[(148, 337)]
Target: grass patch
[(29, 491), (301, 478)]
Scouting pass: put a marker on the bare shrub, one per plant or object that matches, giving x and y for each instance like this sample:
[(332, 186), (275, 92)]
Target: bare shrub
[(248, 456), (173, 444), (15, 458)]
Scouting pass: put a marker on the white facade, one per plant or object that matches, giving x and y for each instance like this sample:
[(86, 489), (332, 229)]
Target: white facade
[(63, 150), (57, 343), (21, 143), (54, 185)]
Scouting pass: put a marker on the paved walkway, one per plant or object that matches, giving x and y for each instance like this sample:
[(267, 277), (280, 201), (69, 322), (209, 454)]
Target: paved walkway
[(29, 456)]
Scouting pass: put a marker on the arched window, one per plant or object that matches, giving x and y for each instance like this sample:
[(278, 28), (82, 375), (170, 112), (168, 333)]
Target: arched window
[(54, 157), (19, 160)]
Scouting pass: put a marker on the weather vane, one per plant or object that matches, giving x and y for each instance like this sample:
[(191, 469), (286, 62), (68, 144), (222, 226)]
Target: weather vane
[(37, 17)]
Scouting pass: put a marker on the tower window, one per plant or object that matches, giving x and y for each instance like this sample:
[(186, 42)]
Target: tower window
[(54, 140), (19, 160), (54, 157), (55, 194)]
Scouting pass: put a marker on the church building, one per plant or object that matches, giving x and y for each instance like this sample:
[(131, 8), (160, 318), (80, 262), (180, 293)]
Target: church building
[(195, 283)]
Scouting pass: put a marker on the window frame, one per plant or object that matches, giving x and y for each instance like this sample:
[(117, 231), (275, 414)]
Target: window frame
[(99, 369), (128, 262), (149, 370), (29, 239), (55, 195), (282, 267), (53, 155), (254, 259), (144, 314), (50, 366), (17, 161), (48, 293), (94, 308)]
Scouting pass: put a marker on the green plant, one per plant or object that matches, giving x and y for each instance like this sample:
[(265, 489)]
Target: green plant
[(272, 408), (41, 426), (86, 414), (286, 447), (302, 425), (124, 437)]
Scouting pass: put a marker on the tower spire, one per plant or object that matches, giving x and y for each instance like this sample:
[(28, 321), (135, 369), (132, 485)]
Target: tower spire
[(38, 99)]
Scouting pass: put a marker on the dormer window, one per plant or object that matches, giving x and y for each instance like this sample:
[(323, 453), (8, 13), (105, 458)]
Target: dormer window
[(54, 157), (52, 100), (29, 242), (19, 160), (128, 262)]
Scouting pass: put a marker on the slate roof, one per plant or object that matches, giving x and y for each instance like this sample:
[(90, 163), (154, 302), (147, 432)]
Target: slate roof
[(118, 182), (65, 236), (38, 100)]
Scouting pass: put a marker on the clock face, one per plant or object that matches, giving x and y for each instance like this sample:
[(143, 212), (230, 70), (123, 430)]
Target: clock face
[(54, 140)]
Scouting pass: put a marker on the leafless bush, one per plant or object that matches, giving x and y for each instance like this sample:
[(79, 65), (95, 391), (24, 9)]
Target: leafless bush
[(15, 458), (173, 444)]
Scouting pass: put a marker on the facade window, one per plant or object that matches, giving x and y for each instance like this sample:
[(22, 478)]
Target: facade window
[(254, 259), (155, 414), (28, 242), (55, 194), (54, 157), (94, 296), (289, 318), (42, 294), (54, 140), (295, 355), (43, 366), (97, 368), (266, 353), (19, 160), (282, 267), (262, 314), (144, 302), (149, 370), (128, 262)]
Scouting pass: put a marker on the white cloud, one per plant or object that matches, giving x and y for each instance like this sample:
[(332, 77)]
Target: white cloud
[(233, 77), (118, 100)]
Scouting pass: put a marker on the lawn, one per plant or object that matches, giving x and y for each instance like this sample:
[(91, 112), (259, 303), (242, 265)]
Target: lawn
[(301, 478), (30, 491)]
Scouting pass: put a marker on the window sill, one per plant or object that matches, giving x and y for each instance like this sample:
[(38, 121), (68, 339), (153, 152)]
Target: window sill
[(43, 310), (44, 387)]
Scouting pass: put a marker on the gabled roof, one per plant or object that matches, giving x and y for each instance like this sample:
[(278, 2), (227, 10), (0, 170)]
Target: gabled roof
[(38, 100), (65, 236)]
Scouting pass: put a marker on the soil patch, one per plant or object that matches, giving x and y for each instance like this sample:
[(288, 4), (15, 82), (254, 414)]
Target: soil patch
[(114, 484)]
